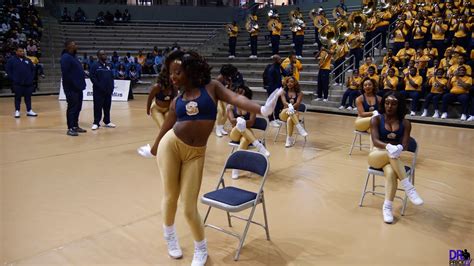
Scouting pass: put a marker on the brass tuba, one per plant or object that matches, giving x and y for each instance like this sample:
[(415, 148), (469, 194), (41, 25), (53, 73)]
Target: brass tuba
[(297, 25), (328, 35), (338, 13), (295, 14), (370, 8), (251, 25), (343, 29), (384, 4), (358, 20)]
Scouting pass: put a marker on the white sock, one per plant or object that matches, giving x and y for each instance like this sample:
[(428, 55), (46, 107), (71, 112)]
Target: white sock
[(406, 184), (387, 204), (169, 230), (201, 244), (256, 143)]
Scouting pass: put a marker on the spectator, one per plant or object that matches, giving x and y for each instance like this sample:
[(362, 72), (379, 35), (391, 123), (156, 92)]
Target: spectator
[(134, 76), (121, 73), (79, 15), (66, 16), (85, 67), (100, 20), (83, 59), (130, 58), (149, 63), (158, 62), (39, 70), (126, 16), (118, 16), (31, 48), (141, 58), (175, 46)]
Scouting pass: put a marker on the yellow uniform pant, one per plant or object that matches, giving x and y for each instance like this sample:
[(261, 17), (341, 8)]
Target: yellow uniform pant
[(158, 114), (392, 168), (181, 167), (245, 137), (291, 121), (221, 113), (362, 123)]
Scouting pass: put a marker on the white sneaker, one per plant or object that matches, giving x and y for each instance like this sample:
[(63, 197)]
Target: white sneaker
[(251, 56), (269, 45), (349, 108), (174, 250), (235, 174), (325, 100), (31, 113), (95, 127), (200, 256), (341, 107), (292, 44), (414, 197), (17, 114), (289, 142), (319, 99), (262, 150), (230, 57), (471, 118), (301, 130), (275, 123), (218, 132), (436, 114), (387, 214), (223, 131), (444, 115), (412, 113), (425, 113), (110, 125), (463, 117)]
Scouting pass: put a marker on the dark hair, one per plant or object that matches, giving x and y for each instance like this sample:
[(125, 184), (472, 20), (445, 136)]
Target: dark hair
[(402, 105), (67, 43), (247, 91), (164, 78), (228, 70), (195, 66), (374, 83), (297, 84)]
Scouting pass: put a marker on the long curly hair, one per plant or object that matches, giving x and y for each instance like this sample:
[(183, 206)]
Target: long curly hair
[(194, 65), (296, 87), (402, 105), (374, 85), (164, 78)]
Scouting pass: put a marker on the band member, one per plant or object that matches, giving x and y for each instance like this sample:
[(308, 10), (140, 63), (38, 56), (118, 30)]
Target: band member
[(342, 49), (253, 35), (276, 32), (438, 35), (232, 31), (353, 87), (319, 21), (292, 66), (324, 57), (458, 87), (356, 41), (299, 39), (438, 85)]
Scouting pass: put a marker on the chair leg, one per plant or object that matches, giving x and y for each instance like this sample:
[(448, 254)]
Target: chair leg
[(244, 235), (353, 142), (277, 133), (267, 231), (207, 214), (373, 184), (360, 142), (228, 219), (363, 190), (404, 205)]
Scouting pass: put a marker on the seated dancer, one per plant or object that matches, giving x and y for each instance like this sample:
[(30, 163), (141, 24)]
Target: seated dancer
[(367, 105)]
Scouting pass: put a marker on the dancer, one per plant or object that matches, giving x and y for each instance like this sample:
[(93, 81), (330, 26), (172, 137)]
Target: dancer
[(162, 93), (367, 105), (227, 73), (181, 144), (291, 101), (390, 133)]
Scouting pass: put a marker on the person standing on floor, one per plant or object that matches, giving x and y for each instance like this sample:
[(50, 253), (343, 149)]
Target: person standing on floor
[(102, 77), (21, 72), (73, 79)]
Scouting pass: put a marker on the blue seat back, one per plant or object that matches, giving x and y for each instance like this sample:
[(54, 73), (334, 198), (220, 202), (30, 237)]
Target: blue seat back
[(248, 161), (302, 108), (412, 145), (260, 124)]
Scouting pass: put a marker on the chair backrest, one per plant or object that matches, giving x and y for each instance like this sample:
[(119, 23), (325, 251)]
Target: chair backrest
[(251, 161), (412, 145), (302, 108), (260, 124)]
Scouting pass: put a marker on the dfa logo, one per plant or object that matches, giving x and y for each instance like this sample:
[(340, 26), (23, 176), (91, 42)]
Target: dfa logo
[(459, 257)]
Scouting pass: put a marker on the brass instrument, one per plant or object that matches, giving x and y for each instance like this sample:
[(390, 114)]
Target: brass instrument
[(370, 8), (358, 20), (229, 28), (251, 25), (271, 24), (273, 14), (297, 25), (313, 13), (295, 14), (339, 13), (328, 37), (343, 29), (383, 4)]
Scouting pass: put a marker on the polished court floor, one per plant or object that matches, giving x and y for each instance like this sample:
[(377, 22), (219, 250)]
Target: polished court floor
[(91, 200)]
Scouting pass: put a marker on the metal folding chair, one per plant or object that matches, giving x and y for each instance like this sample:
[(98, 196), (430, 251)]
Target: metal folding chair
[(302, 110), (359, 134), (233, 199), (410, 171), (260, 124)]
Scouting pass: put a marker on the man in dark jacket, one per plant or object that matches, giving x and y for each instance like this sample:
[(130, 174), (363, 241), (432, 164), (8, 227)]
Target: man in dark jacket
[(102, 78), (273, 81), (21, 72), (74, 83)]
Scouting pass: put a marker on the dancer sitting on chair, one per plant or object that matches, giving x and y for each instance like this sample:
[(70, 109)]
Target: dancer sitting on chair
[(241, 122), (291, 101), (367, 105), (227, 73), (181, 144), (163, 93), (390, 133)]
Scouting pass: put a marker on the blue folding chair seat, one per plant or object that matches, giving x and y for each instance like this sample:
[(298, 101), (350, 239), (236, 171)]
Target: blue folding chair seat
[(232, 199)]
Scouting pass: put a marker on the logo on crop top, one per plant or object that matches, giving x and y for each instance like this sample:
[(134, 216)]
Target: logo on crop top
[(167, 98), (192, 108), (392, 136), (459, 257)]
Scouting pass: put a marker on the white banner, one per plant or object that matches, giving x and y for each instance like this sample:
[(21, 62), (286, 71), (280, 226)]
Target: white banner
[(120, 94)]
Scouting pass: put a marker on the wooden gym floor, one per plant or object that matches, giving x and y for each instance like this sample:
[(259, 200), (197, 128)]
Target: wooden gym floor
[(91, 200)]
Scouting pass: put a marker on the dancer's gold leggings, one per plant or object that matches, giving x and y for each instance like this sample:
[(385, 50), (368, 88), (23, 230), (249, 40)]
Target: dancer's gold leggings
[(362, 123), (392, 168), (158, 114), (245, 137), (181, 167), (221, 113), (291, 121)]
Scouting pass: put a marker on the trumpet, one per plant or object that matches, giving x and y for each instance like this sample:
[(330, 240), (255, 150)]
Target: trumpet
[(251, 25)]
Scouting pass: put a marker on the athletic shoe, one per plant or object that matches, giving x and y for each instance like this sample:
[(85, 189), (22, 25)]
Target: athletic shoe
[(17, 114), (79, 130), (413, 196), (31, 113), (72, 132), (200, 256), (174, 250), (444, 115), (387, 214), (110, 125), (463, 117), (95, 127)]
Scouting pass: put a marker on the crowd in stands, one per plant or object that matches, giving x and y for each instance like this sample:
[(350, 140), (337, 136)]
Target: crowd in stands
[(103, 18), (21, 26), (431, 59)]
